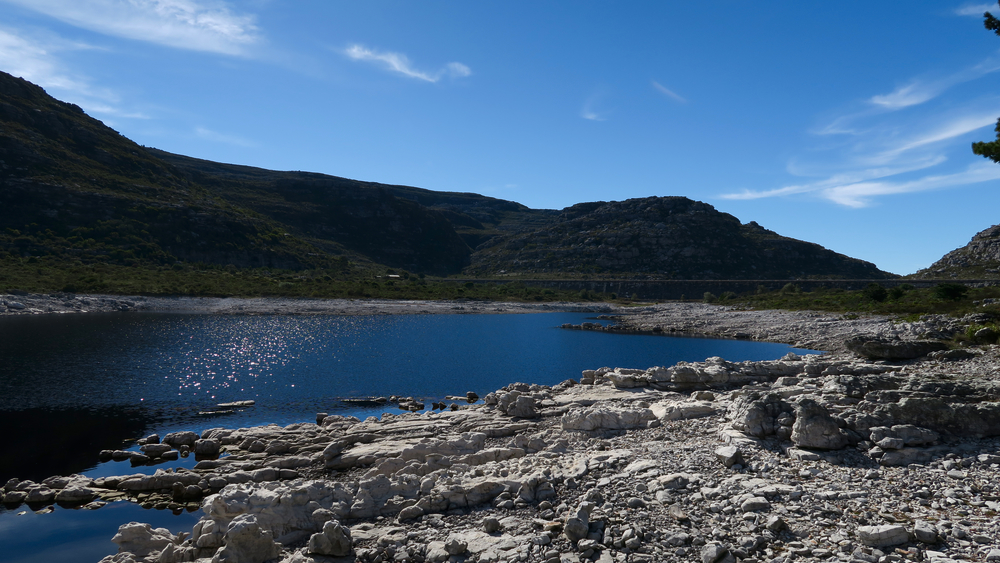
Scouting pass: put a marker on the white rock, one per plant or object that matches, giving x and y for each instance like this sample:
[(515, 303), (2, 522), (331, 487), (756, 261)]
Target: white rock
[(883, 536), (246, 542)]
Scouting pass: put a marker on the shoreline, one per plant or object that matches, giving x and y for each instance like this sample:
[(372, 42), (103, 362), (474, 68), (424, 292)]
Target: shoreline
[(58, 303), (831, 457), (801, 329)]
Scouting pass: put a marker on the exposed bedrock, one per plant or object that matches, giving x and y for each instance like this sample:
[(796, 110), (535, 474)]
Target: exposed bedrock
[(808, 457)]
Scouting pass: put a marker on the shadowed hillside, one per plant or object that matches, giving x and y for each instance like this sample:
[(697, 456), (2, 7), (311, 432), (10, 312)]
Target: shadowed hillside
[(74, 192)]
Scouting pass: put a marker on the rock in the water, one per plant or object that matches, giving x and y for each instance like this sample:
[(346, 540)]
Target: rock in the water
[(155, 450), (176, 439), (207, 447), (141, 539)]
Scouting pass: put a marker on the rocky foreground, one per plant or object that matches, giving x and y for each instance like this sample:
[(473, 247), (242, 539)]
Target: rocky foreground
[(888, 452)]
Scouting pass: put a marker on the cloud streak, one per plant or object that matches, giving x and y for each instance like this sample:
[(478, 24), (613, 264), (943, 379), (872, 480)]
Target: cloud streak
[(898, 143), (35, 58), (198, 25), (667, 92), (975, 9), (894, 142), (920, 91), (400, 64), (589, 110), (860, 194), (217, 137), (868, 169)]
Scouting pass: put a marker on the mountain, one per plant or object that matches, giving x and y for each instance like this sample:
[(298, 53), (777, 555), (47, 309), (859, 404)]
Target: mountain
[(977, 260), (76, 191), (665, 237), (72, 187)]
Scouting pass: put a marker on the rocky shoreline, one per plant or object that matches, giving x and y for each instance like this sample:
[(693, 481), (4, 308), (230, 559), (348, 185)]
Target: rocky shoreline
[(852, 456), (803, 329), (23, 303)]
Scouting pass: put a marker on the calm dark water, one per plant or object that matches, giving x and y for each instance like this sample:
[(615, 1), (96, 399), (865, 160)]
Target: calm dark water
[(76, 384), (71, 385)]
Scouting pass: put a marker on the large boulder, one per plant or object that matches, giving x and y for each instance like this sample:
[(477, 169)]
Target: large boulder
[(883, 536), (141, 539), (756, 414), (815, 428), (177, 439), (334, 540), (884, 349), (246, 542), (606, 418)]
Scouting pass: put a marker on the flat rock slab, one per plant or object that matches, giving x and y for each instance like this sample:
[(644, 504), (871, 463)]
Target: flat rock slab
[(883, 536), (587, 395)]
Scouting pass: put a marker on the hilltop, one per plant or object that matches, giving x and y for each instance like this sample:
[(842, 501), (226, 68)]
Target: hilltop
[(76, 195), (977, 260)]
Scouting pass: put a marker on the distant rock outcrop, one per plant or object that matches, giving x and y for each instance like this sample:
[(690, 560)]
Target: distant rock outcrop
[(978, 259), (672, 237)]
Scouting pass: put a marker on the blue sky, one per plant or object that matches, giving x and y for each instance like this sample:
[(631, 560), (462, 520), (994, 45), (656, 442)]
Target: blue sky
[(847, 123)]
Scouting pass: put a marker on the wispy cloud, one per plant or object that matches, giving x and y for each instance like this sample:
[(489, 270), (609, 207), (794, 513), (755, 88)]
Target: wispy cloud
[(906, 96), (921, 91), (217, 137), (590, 109), (861, 194), (975, 9), (898, 137), (399, 63), (951, 129), (881, 160), (198, 25), (35, 57), (667, 92)]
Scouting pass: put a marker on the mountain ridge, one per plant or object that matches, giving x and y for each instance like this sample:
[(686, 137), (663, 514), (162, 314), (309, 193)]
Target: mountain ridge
[(75, 189), (980, 258)]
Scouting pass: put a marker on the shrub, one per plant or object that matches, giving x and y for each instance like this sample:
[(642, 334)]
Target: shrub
[(875, 292), (709, 297), (986, 334), (950, 291), (791, 288), (727, 296)]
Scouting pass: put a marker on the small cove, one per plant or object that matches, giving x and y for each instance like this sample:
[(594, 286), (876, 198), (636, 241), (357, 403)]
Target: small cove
[(72, 385)]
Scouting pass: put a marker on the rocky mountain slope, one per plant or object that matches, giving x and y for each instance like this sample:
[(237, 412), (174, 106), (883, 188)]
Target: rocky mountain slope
[(669, 237), (75, 190), (977, 260)]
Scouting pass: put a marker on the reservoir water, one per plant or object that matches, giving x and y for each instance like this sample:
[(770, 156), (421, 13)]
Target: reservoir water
[(71, 385)]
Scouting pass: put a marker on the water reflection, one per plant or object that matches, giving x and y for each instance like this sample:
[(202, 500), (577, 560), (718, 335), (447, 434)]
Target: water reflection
[(39, 443), (75, 384), (73, 535)]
